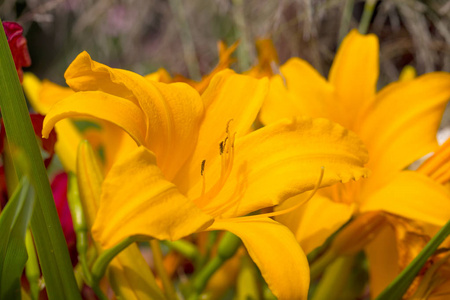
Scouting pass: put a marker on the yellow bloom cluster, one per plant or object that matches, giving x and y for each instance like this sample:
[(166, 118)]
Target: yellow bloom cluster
[(183, 158)]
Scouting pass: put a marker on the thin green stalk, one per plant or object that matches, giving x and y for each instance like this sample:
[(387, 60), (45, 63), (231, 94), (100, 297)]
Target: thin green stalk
[(102, 262), (319, 265), (187, 41), (32, 270), (79, 224), (346, 19), (334, 279), (49, 239), (186, 249), (159, 265), (243, 51), (369, 7), (228, 246)]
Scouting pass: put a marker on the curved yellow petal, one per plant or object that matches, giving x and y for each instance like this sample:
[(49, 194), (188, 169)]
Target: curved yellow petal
[(232, 103), (285, 159), (299, 91), (127, 272), (383, 261), (414, 196), (85, 74), (137, 200), (277, 254), (102, 106), (316, 220), (401, 126), (172, 111), (354, 75), (115, 142)]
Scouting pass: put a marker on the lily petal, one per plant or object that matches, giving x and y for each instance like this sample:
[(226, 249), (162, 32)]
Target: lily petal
[(285, 159), (172, 111), (102, 106), (154, 207), (316, 220), (354, 75), (232, 103), (417, 106), (299, 91), (383, 261), (276, 252), (414, 196)]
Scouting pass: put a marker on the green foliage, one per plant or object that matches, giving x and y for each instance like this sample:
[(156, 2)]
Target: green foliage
[(14, 221), (400, 285)]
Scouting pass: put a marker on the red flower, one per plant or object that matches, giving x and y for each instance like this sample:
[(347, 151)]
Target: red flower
[(18, 46), (59, 189)]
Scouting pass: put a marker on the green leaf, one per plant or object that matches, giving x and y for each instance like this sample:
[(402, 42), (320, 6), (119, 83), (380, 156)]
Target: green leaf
[(48, 236), (400, 285), (14, 221)]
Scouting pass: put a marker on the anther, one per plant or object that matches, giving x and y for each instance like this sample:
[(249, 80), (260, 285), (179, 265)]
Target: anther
[(202, 170)]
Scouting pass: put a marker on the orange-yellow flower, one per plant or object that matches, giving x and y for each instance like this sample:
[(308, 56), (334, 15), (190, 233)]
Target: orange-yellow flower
[(197, 165), (398, 125)]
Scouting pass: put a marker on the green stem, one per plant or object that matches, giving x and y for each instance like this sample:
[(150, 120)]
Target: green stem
[(334, 279), (228, 246), (186, 249), (186, 39), (102, 262), (48, 236), (318, 266), (369, 7), (159, 265), (243, 51), (346, 19), (32, 270), (79, 224), (401, 283)]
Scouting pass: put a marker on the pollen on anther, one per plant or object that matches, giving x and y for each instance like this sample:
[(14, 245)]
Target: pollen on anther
[(221, 145), (202, 170)]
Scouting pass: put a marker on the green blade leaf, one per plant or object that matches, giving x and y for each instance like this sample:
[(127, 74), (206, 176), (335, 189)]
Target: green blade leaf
[(13, 226), (400, 285), (49, 239)]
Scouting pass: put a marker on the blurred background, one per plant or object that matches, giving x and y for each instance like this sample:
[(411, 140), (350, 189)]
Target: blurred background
[(182, 36)]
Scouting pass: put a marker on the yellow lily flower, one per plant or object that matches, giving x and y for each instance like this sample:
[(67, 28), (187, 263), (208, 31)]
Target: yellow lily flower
[(398, 124), (406, 238), (197, 166)]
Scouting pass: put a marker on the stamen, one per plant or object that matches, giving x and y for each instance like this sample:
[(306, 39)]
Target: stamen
[(202, 173), (437, 166), (226, 151), (202, 167), (287, 210)]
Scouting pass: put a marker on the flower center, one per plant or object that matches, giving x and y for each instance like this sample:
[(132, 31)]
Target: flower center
[(226, 151)]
